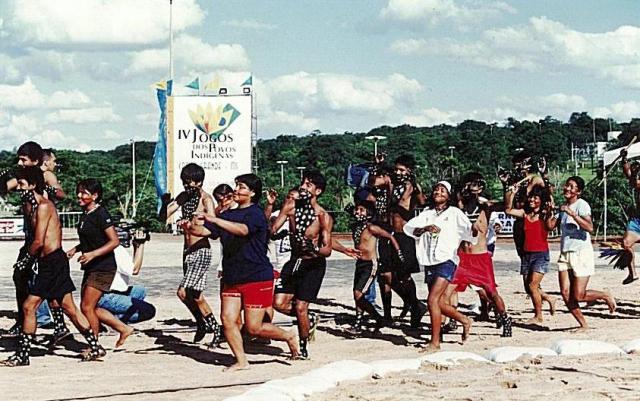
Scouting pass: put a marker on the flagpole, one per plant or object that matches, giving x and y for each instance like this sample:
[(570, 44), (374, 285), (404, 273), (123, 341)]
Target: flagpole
[(171, 39)]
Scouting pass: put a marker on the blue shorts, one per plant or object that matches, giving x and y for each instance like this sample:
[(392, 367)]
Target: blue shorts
[(444, 270), (534, 262), (634, 225)]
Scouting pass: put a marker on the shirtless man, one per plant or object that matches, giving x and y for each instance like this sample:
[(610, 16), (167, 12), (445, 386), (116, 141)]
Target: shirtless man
[(632, 233), (476, 265), (365, 235), (302, 277), (195, 203), (49, 262), (31, 154)]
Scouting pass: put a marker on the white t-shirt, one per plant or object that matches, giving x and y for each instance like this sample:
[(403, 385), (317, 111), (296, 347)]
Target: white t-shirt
[(572, 237), (491, 232), (282, 246), (432, 249)]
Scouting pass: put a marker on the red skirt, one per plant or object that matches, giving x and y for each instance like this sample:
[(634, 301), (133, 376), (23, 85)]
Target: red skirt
[(476, 269)]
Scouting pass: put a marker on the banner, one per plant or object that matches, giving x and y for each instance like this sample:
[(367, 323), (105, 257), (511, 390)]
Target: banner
[(11, 227), (160, 154), (211, 131)]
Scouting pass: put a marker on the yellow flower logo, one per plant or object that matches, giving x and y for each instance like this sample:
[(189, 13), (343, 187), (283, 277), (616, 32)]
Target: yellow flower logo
[(213, 121)]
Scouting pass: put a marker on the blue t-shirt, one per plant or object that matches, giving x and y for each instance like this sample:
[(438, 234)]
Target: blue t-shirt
[(244, 259)]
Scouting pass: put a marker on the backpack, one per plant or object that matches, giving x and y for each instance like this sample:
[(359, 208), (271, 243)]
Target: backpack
[(357, 175)]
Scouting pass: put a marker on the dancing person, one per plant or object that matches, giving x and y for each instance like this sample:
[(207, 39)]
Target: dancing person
[(53, 280), (98, 238), (365, 236), (632, 233), (405, 198), (476, 266), (31, 154), (538, 218), (576, 262), (438, 231), (247, 274), (196, 256), (301, 278)]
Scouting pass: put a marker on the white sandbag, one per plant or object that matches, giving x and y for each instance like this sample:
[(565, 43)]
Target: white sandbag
[(452, 357), (300, 387), (585, 347), (383, 367), (260, 394), (342, 370), (508, 354), (632, 346)]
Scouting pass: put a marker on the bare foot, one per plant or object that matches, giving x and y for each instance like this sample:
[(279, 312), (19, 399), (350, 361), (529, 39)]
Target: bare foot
[(429, 348), (534, 320), (611, 302), (236, 366), (466, 329), (123, 336), (292, 342), (552, 306), (580, 329)]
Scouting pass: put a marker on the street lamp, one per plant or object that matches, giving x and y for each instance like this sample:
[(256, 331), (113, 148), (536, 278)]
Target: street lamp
[(375, 139), (301, 168), (451, 149), (282, 163)]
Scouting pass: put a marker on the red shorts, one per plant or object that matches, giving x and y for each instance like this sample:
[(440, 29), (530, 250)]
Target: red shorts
[(476, 269), (252, 295)]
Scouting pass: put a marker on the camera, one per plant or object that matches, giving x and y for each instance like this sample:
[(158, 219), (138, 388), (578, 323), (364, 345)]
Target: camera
[(129, 231)]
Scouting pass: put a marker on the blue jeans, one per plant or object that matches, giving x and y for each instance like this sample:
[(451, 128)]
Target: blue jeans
[(129, 306)]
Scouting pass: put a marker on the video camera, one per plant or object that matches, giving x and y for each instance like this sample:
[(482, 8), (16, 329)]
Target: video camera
[(129, 231)]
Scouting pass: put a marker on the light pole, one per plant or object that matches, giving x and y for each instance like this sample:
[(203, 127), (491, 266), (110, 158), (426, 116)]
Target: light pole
[(375, 139), (282, 163), (451, 149), (301, 168)]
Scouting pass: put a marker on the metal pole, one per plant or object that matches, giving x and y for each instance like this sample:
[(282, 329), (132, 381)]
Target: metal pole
[(171, 40), (282, 175), (133, 168), (605, 202)]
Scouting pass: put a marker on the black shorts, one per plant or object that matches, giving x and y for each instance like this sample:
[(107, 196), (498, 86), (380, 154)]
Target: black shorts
[(387, 256), (53, 280), (408, 248), (302, 278), (364, 275)]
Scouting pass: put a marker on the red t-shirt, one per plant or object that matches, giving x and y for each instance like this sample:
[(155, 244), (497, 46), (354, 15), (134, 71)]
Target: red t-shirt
[(535, 236)]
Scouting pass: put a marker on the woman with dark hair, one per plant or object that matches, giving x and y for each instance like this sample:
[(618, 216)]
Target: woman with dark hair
[(247, 274), (98, 239), (538, 218)]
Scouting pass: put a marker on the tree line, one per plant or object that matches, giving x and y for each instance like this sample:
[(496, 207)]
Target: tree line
[(442, 152)]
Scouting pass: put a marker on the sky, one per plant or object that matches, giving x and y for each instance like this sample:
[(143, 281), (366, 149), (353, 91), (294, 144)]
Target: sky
[(80, 74)]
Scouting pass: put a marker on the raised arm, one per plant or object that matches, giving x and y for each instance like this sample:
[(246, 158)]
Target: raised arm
[(508, 203)]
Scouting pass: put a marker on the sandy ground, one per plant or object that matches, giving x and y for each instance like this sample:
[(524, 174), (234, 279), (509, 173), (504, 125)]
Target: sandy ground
[(160, 362)]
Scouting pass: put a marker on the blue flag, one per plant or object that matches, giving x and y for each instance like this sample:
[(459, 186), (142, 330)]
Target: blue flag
[(160, 154), (195, 84)]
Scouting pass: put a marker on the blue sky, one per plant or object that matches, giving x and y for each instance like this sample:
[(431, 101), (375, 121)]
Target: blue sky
[(78, 74)]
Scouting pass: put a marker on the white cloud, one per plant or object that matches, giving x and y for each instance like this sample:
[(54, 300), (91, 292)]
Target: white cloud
[(21, 97), (67, 100), (82, 116), (540, 44), (111, 134), (620, 111), (435, 11), (99, 23), (191, 53), (249, 24)]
